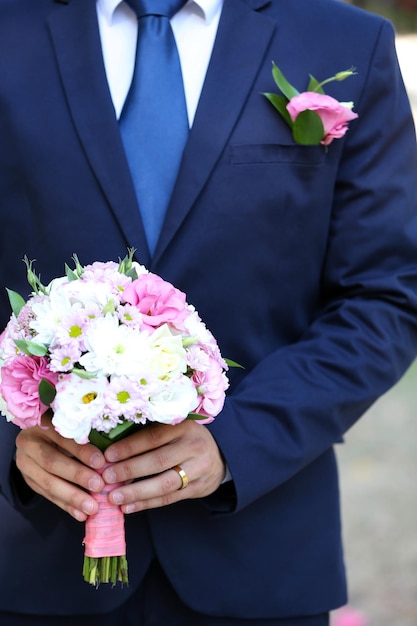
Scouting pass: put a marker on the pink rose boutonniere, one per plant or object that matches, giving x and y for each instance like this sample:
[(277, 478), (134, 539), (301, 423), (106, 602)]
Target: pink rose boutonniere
[(314, 117)]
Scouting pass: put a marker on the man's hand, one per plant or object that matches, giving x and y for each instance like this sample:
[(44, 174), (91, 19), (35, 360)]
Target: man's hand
[(60, 469), (150, 455)]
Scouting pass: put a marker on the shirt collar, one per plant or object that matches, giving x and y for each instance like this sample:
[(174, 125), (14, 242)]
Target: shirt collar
[(208, 8)]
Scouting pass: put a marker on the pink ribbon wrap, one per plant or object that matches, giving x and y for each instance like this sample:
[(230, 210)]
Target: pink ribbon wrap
[(105, 531)]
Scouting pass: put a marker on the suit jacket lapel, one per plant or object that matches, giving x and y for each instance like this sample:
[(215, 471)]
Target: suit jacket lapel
[(76, 41), (241, 43)]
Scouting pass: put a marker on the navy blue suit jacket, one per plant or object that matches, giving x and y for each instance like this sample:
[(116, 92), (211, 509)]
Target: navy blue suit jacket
[(301, 260)]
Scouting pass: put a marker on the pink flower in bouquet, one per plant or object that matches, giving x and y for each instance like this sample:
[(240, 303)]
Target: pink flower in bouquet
[(20, 388), (157, 300), (99, 272), (334, 115), (211, 385), (106, 274)]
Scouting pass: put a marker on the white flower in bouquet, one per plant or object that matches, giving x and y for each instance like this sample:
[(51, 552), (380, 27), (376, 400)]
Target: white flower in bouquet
[(113, 348), (77, 403), (167, 356), (175, 398)]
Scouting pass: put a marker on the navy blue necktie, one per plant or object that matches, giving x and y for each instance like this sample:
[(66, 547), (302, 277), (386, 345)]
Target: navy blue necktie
[(153, 123)]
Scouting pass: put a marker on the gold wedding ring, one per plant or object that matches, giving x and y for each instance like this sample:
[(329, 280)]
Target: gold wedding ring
[(182, 475)]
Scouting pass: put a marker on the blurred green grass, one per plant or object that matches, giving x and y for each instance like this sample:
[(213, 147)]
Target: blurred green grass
[(404, 19)]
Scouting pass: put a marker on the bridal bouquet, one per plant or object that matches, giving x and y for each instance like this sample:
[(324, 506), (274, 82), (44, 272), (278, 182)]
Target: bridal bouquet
[(107, 348)]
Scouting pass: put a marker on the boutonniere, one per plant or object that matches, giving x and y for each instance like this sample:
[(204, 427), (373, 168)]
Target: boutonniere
[(314, 117)]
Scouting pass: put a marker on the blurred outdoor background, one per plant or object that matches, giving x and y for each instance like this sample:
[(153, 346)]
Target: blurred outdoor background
[(378, 463)]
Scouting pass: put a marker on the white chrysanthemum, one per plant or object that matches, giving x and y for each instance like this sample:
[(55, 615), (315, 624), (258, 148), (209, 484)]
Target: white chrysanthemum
[(89, 292), (49, 313), (174, 402), (167, 354), (72, 328), (78, 402), (113, 348), (130, 315), (63, 358), (106, 422), (129, 397)]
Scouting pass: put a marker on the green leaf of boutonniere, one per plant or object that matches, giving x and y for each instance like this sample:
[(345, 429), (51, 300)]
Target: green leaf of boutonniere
[(282, 83), (280, 103), (314, 85), (308, 129)]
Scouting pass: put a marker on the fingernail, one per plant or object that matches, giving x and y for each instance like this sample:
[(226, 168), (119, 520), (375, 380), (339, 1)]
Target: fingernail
[(109, 476), (88, 507), (79, 516), (95, 484), (111, 455), (96, 461), (117, 497)]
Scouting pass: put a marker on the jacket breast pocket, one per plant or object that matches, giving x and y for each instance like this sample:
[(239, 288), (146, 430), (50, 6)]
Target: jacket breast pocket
[(252, 154)]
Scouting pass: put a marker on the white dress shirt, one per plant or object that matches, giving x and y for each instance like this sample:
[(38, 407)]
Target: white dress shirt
[(194, 26)]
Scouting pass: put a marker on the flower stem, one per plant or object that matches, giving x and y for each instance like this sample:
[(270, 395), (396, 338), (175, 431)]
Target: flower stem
[(106, 569), (338, 77)]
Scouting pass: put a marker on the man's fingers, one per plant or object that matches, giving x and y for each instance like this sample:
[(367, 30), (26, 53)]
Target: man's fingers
[(154, 492), (86, 453), (150, 438), (64, 494), (150, 480), (55, 474), (56, 461)]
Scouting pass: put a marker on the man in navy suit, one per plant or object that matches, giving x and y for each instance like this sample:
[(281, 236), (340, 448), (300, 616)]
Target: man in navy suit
[(302, 260)]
